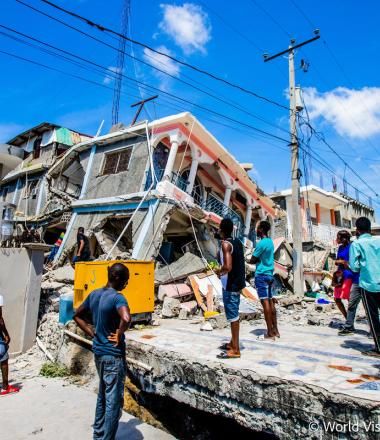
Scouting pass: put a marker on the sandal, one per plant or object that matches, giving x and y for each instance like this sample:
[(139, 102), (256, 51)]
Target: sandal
[(225, 346), (372, 353), (228, 355), (10, 390)]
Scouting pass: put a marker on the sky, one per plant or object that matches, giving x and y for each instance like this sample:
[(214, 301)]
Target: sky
[(341, 89)]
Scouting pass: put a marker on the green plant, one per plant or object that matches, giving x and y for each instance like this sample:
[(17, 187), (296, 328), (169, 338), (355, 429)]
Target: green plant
[(54, 369), (212, 265)]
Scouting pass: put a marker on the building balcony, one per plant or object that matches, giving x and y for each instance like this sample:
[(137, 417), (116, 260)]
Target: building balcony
[(211, 204), (325, 234)]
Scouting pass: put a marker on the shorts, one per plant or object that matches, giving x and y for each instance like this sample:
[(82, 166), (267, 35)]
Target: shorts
[(263, 285), (343, 292), (3, 352), (231, 301)]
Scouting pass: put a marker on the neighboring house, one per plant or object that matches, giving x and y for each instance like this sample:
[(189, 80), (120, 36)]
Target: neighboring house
[(10, 157), (27, 186), (348, 213), (170, 180), (323, 213)]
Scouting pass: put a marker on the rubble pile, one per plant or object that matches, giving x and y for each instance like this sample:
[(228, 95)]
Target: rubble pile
[(55, 283), (50, 333)]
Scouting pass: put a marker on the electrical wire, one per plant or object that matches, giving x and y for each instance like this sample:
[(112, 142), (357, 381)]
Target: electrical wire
[(111, 72), (176, 97), (340, 67), (103, 28), (312, 155), (214, 94)]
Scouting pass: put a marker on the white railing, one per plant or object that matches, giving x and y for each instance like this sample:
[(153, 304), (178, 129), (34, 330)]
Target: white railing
[(325, 234)]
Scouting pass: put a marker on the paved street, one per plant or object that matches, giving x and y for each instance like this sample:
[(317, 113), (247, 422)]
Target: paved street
[(48, 409), (312, 354)]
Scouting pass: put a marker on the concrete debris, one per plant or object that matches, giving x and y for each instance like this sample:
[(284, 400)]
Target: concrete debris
[(50, 333), (218, 321), (170, 307), (178, 290), (190, 306), (287, 301), (324, 308), (314, 320), (183, 314), (51, 285), (206, 327), (180, 269), (63, 275)]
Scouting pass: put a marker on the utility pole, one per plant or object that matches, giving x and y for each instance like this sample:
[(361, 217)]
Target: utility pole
[(298, 278)]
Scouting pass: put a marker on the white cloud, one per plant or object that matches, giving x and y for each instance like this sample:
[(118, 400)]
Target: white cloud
[(353, 113), (162, 62), (109, 76), (188, 25)]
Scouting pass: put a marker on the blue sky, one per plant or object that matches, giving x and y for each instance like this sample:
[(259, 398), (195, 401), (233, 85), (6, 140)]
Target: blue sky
[(341, 87)]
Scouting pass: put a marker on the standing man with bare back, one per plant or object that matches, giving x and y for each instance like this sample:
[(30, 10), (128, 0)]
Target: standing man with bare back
[(232, 275)]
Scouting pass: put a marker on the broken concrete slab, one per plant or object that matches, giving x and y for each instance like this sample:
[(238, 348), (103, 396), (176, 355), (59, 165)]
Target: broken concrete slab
[(51, 285), (299, 386), (180, 269), (64, 274), (190, 306), (177, 290), (286, 301), (170, 307), (314, 320), (218, 321), (183, 314)]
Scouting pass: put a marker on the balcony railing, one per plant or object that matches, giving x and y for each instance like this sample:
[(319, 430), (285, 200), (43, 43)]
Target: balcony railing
[(179, 181), (216, 206), (212, 204), (176, 179), (326, 234)]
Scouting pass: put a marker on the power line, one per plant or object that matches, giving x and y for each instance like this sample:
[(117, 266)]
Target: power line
[(219, 98), (321, 138), (176, 97), (338, 64), (277, 23), (314, 157), (184, 63)]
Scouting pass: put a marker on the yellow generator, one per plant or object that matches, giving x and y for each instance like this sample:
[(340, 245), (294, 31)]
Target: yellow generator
[(139, 292)]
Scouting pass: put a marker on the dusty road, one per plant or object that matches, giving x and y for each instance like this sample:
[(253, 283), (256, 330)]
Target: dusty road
[(48, 409)]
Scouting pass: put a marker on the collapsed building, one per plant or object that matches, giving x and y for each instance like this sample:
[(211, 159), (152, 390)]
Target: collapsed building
[(35, 198), (156, 190)]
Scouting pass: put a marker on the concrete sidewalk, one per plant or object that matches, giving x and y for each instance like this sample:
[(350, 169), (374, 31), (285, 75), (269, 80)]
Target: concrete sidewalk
[(48, 409), (313, 355)]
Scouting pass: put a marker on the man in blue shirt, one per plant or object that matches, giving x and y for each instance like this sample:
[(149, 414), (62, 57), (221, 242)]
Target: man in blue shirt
[(263, 257), (365, 258), (110, 318)]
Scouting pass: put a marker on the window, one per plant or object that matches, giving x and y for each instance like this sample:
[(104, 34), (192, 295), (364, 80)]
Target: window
[(117, 161), (5, 193), (346, 223), (32, 189), (37, 148)]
